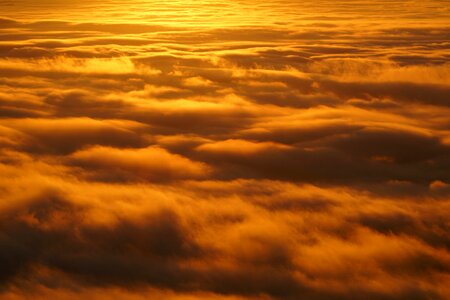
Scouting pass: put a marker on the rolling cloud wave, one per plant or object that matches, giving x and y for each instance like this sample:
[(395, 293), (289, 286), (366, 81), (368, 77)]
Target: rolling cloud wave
[(224, 149)]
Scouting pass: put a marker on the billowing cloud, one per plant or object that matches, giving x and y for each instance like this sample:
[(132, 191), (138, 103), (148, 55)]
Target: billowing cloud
[(151, 163), (46, 134), (224, 150)]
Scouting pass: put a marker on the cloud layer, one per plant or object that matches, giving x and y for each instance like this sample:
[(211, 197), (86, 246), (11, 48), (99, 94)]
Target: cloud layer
[(225, 150)]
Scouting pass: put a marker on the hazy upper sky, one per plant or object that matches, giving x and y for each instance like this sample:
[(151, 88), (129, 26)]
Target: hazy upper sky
[(224, 150)]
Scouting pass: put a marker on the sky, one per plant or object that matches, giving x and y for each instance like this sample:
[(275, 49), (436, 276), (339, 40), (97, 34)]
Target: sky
[(224, 150)]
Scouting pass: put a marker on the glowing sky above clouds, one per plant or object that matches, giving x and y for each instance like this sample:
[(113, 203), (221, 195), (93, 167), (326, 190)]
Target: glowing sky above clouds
[(224, 149)]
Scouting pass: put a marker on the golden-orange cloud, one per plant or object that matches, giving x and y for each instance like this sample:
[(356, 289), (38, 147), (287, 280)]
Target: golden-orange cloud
[(228, 150)]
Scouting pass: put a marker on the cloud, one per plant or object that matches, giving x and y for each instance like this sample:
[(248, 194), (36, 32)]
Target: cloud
[(45, 135), (265, 237), (276, 150), (240, 148), (152, 163)]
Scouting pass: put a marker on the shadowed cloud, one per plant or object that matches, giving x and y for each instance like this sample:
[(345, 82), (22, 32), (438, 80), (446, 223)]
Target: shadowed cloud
[(224, 150)]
